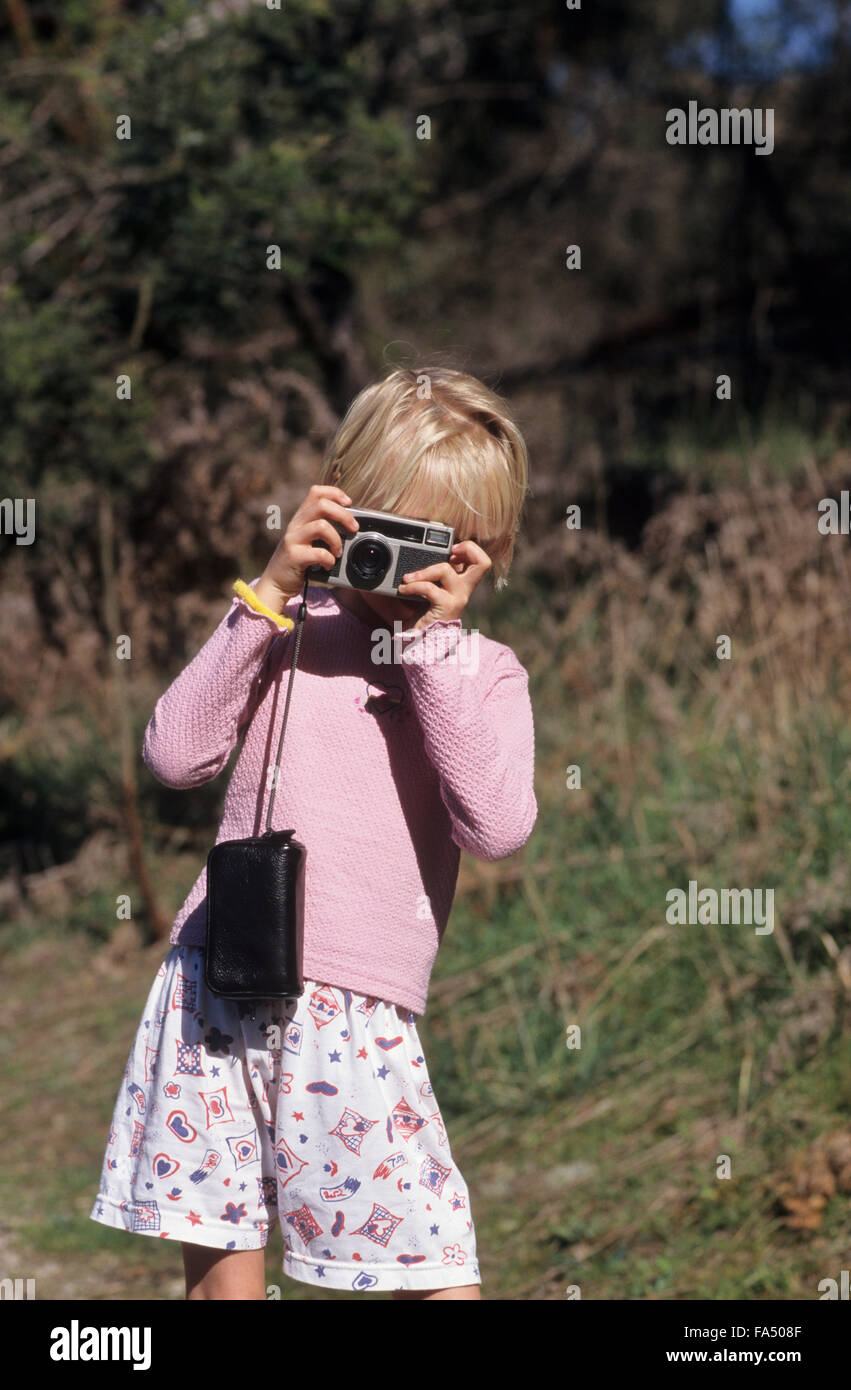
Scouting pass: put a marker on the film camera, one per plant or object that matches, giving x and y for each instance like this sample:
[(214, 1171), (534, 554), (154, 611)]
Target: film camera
[(384, 549)]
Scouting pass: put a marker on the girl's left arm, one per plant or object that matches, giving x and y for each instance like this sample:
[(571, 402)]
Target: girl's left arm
[(476, 717)]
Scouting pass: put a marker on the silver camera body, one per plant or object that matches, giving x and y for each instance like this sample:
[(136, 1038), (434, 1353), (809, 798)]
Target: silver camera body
[(385, 548)]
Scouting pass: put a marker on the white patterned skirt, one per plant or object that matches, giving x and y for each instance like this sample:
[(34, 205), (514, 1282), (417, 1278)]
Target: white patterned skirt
[(317, 1114)]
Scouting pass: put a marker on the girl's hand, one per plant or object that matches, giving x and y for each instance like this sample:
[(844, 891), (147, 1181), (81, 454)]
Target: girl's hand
[(447, 586), (283, 577)]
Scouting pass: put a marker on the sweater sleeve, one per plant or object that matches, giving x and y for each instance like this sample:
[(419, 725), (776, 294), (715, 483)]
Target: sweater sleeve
[(197, 722), (479, 735)]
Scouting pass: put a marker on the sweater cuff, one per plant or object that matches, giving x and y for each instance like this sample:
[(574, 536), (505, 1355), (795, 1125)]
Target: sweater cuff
[(247, 594), (435, 641)]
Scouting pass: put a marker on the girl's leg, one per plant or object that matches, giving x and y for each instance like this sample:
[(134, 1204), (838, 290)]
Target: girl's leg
[(462, 1291), (223, 1274)]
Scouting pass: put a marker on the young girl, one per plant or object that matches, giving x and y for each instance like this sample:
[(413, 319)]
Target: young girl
[(319, 1112)]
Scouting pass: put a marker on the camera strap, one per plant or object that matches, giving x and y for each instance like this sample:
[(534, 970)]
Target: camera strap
[(302, 612)]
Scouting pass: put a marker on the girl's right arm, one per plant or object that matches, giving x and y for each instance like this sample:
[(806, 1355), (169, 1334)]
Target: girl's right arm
[(197, 722)]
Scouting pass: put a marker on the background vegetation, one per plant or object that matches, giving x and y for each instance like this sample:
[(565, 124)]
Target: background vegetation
[(147, 257)]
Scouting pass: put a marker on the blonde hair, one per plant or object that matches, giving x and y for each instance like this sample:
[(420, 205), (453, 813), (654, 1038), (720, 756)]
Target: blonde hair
[(437, 445)]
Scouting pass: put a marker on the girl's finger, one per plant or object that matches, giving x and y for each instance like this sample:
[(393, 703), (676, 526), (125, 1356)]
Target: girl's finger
[(329, 490), (314, 556), (319, 529), (436, 597), (442, 571), (473, 552), (328, 507)]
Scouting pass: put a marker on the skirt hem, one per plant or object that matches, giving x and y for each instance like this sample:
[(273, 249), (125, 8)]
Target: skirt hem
[(111, 1213), (371, 1278)]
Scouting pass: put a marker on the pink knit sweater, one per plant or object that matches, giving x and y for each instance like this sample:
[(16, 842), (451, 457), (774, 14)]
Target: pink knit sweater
[(388, 767)]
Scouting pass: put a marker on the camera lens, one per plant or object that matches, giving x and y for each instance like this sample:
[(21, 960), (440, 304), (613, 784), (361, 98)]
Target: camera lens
[(369, 561)]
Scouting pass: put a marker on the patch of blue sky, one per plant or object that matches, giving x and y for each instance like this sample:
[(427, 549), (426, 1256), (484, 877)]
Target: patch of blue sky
[(762, 39)]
